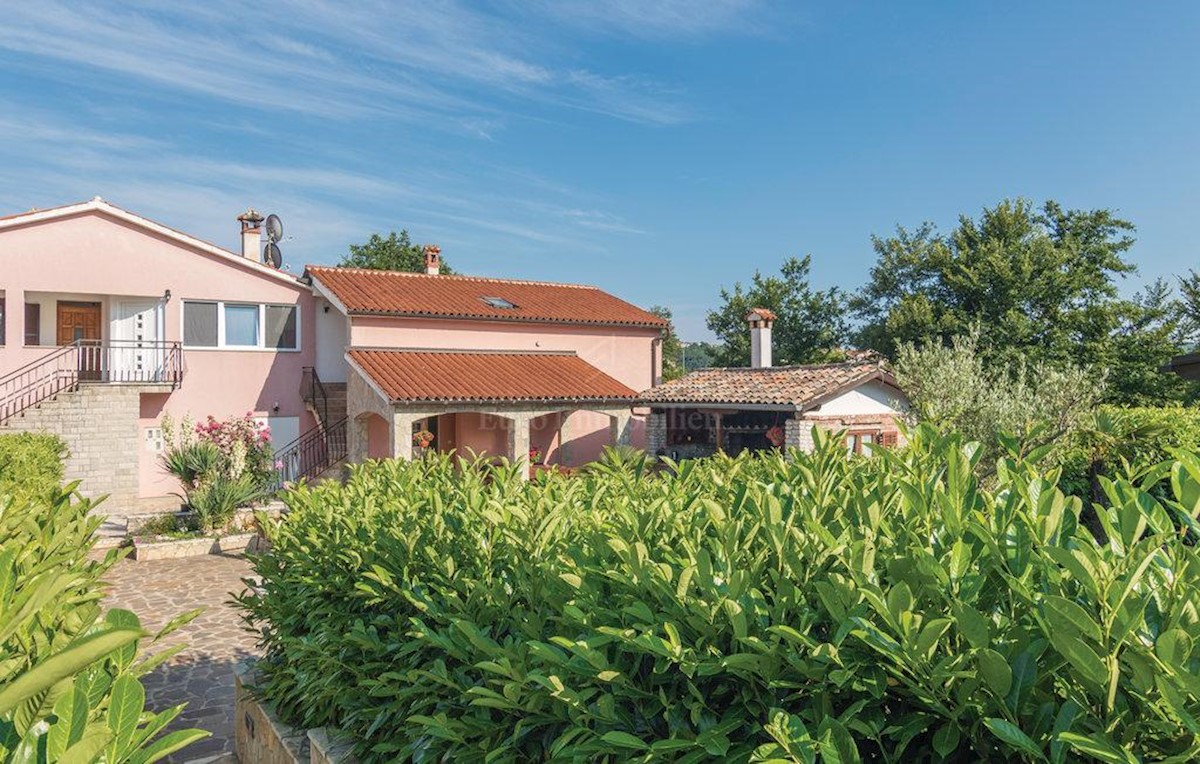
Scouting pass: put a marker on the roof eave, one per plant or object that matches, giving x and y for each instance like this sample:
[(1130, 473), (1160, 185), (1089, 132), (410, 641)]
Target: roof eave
[(507, 401), (509, 319), (729, 405)]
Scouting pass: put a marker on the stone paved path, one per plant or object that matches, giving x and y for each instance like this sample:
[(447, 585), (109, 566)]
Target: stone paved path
[(202, 675)]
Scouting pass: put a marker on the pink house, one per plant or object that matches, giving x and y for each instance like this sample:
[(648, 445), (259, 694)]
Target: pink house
[(109, 320), (527, 370)]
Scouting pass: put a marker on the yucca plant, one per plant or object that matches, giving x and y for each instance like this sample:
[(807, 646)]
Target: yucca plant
[(799, 607), (217, 498)]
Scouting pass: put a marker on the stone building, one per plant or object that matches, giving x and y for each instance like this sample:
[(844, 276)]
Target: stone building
[(763, 407)]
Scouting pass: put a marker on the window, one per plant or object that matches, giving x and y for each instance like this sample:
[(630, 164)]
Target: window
[(2, 327), (243, 326), (280, 322), (499, 302), (200, 324), (861, 441), (33, 323)]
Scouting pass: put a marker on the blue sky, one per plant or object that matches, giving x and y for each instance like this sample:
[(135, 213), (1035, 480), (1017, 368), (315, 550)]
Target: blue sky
[(659, 150)]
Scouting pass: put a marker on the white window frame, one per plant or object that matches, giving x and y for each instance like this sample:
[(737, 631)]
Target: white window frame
[(262, 326)]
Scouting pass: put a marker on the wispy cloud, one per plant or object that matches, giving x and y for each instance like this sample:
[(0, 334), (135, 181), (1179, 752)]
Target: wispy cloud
[(444, 64), (661, 19), (345, 118)]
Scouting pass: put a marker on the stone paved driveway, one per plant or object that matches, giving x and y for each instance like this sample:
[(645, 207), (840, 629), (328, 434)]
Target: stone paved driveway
[(202, 675)]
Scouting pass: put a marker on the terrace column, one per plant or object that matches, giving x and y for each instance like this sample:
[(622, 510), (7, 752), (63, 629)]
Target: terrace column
[(518, 441), (402, 436), (14, 317), (564, 439), (620, 429), (356, 434)]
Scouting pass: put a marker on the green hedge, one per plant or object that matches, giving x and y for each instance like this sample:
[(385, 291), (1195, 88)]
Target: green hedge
[(31, 464), (69, 672), (1120, 437), (751, 609)]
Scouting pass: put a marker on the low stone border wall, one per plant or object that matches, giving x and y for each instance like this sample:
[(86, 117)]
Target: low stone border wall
[(170, 549), (260, 737)]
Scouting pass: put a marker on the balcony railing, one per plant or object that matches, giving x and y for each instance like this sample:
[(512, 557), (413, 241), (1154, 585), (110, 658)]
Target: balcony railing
[(89, 362), (313, 453)]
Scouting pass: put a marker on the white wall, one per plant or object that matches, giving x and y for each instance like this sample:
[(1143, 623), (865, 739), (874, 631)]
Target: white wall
[(871, 398), (333, 335)]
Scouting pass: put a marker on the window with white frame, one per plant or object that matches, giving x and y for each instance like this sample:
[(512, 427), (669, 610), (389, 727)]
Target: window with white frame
[(240, 325)]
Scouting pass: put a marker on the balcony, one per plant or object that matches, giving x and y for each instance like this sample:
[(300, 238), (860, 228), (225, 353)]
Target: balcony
[(137, 362)]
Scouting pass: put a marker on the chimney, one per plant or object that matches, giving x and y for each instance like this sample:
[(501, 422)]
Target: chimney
[(251, 235), (761, 320), (433, 259)]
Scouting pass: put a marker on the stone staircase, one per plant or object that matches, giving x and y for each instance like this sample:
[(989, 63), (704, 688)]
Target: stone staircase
[(335, 397)]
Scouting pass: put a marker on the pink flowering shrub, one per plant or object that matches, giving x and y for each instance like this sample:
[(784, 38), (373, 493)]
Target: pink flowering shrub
[(245, 445), (223, 465)]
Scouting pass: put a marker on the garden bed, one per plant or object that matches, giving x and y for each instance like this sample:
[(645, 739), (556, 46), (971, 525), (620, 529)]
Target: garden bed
[(239, 537), (167, 548), (261, 736)]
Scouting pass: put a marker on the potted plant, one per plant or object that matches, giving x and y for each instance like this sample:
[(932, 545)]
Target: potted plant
[(422, 440)]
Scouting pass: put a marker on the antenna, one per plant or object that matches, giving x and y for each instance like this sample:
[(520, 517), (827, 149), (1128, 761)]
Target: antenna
[(274, 228), (272, 256)]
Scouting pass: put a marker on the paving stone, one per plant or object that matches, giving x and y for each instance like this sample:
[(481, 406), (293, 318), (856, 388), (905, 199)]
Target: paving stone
[(201, 675)]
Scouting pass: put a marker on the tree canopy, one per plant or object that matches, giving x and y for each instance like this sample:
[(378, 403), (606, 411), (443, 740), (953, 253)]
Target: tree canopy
[(394, 252), (1038, 283), (672, 348), (811, 326)]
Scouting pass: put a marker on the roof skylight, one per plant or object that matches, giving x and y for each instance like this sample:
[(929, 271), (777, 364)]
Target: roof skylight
[(499, 303)]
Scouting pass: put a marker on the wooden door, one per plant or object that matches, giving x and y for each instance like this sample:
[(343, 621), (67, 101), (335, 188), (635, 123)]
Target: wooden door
[(81, 321)]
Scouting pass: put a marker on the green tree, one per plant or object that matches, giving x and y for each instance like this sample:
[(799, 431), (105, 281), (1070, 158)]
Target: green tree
[(955, 388), (699, 355), (811, 326), (1039, 283), (672, 348), (1189, 288), (1154, 327), (394, 252)]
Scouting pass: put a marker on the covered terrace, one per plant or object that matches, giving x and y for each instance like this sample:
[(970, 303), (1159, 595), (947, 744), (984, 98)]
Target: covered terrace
[(540, 408)]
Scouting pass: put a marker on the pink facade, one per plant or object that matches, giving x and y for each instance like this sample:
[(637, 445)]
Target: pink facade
[(173, 325), (140, 275), (631, 355)]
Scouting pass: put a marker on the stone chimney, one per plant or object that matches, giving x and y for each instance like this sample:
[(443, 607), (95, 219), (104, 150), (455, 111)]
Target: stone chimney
[(761, 320), (251, 234), (433, 259)]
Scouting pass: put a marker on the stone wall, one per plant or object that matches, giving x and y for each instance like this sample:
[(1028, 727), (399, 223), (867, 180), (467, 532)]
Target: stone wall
[(798, 432), (656, 433), (100, 425)]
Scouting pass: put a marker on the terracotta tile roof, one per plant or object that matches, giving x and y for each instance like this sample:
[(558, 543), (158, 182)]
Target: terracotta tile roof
[(394, 293), (463, 376), (762, 314), (797, 387)]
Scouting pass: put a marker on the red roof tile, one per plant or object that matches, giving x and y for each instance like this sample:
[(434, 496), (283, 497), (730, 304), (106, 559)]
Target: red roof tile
[(796, 387), (396, 293), (456, 376)]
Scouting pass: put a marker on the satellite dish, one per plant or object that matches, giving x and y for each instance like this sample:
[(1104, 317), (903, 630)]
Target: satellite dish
[(272, 255), (274, 228)]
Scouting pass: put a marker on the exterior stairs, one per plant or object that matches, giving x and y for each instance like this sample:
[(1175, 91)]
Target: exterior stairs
[(319, 453)]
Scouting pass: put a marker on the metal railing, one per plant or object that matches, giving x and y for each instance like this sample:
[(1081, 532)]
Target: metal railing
[(313, 393), (89, 361), (314, 452)]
